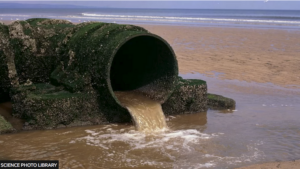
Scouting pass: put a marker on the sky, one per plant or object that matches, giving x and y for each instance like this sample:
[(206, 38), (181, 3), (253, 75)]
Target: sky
[(171, 4)]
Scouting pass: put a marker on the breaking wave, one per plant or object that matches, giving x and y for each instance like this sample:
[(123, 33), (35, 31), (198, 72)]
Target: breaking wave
[(185, 19)]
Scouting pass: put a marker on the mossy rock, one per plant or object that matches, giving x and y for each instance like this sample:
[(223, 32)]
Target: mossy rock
[(5, 127), (44, 106), (189, 96), (220, 102)]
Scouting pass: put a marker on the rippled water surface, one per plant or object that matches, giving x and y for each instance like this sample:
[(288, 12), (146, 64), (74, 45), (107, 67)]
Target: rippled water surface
[(265, 126)]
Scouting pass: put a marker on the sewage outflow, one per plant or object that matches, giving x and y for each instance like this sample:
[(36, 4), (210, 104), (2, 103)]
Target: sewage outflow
[(147, 114)]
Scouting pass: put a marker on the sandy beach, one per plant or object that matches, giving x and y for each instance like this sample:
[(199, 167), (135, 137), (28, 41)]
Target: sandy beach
[(252, 55), (244, 54), (275, 165), (258, 55)]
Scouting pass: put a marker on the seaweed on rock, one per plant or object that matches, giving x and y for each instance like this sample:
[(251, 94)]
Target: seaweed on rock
[(44, 106), (220, 102), (190, 96), (5, 127)]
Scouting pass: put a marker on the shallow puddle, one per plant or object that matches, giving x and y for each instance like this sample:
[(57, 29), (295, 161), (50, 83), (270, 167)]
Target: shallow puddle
[(265, 126)]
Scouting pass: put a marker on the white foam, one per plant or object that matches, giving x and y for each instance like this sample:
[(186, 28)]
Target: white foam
[(167, 18), (175, 140), (205, 165), (64, 133), (253, 153), (15, 15), (176, 146)]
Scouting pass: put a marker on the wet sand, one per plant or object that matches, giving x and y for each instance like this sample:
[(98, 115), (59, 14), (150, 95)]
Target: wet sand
[(5, 22), (244, 54), (275, 165), (252, 55)]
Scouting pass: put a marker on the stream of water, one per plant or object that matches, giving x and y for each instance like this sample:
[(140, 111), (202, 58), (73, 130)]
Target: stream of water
[(147, 114)]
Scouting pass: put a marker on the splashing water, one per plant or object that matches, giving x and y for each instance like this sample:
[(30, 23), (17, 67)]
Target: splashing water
[(146, 113)]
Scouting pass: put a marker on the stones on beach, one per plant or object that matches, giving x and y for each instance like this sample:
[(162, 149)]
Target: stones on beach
[(220, 102), (188, 97), (44, 106), (5, 126)]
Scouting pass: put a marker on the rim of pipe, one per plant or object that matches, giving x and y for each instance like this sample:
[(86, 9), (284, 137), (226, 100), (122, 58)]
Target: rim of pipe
[(123, 43)]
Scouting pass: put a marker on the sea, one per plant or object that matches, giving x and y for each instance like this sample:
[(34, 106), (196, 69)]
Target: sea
[(193, 17)]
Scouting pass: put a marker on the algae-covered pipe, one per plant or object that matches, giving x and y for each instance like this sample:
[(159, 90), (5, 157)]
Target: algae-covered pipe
[(29, 51), (8, 73), (112, 57), (35, 44), (104, 56)]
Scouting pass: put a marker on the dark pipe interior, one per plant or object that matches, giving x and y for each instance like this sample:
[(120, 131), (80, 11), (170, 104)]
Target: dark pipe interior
[(139, 61), (4, 96)]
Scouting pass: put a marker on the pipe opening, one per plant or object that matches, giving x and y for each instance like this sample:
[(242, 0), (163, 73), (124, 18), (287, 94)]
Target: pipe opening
[(141, 61)]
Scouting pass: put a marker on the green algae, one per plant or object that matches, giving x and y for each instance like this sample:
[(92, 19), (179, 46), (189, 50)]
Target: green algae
[(220, 102), (5, 127), (189, 96), (44, 106), (91, 57), (36, 47)]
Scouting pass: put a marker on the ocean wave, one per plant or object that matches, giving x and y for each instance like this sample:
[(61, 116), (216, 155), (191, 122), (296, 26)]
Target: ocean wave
[(174, 19)]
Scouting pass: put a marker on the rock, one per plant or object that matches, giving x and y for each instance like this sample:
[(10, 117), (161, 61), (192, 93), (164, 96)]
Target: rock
[(220, 102), (188, 97), (5, 127), (44, 106)]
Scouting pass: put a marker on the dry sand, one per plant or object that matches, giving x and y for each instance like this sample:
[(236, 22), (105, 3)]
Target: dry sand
[(259, 55)]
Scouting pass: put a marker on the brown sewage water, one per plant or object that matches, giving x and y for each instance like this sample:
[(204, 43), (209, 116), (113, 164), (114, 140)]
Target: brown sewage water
[(265, 126), (147, 114)]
